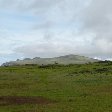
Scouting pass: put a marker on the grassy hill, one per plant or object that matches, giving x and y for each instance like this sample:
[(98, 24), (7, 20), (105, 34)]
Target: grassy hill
[(56, 88), (68, 59)]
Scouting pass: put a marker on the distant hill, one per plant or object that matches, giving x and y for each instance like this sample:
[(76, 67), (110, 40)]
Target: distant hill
[(67, 59)]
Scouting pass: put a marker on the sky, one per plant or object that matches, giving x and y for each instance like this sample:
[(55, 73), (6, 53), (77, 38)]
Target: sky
[(50, 28)]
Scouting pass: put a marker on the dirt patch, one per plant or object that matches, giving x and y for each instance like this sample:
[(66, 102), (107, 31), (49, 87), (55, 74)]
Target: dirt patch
[(14, 100)]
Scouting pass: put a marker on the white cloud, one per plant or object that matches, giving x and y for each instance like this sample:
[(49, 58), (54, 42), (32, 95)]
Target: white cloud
[(62, 27)]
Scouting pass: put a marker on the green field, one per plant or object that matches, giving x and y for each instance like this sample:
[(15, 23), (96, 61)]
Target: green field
[(57, 88)]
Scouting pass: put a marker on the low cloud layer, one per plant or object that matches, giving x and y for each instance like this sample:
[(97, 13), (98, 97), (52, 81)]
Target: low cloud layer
[(49, 28)]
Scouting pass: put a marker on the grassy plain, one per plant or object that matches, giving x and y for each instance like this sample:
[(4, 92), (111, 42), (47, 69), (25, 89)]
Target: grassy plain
[(57, 88)]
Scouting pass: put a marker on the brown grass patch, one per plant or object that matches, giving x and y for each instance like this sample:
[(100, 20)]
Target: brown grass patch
[(14, 100)]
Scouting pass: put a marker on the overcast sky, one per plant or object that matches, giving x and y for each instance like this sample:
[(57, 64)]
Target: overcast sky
[(48, 28)]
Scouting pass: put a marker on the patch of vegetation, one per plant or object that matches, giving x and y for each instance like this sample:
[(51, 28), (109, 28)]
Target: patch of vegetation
[(61, 88)]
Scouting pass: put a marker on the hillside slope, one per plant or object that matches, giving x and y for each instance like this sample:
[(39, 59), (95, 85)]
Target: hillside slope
[(68, 59)]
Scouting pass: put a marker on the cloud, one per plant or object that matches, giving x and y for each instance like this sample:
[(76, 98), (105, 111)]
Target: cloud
[(60, 44), (97, 19), (61, 27)]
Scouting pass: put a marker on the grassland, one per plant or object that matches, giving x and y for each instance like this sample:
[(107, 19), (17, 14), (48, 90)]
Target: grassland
[(58, 88)]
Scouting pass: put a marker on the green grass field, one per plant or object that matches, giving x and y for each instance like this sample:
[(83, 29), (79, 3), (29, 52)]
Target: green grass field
[(73, 88)]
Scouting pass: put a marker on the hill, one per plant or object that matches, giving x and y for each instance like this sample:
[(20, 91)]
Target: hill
[(73, 88), (67, 59)]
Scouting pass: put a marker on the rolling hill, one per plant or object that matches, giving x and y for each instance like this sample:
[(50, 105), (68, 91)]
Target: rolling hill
[(67, 59)]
